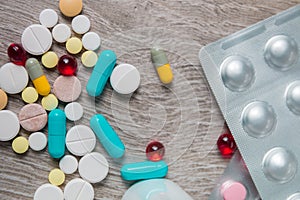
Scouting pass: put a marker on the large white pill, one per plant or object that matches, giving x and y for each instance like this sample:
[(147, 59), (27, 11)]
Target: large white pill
[(13, 78), (74, 111), (93, 167), (36, 39), (37, 141), (80, 140), (81, 24), (91, 41), (68, 164), (48, 18), (61, 33), (125, 79), (10, 125), (78, 189), (48, 192)]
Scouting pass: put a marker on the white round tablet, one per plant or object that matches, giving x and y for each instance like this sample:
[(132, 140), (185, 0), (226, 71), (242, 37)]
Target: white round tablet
[(13, 78), (10, 126), (68, 164), (61, 33), (125, 79), (80, 140), (36, 39), (48, 18), (74, 111), (78, 189), (37, 141), (48, 192), (91, 41), (93, 167), (81, 24)]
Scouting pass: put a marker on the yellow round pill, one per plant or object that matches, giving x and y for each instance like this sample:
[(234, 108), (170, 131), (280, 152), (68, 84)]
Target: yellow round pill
[(56, 177), (30, 95), (49, 102), (74, 45), (89, 58), (3, 99), (50, 59), (70, 8), (20, 145)]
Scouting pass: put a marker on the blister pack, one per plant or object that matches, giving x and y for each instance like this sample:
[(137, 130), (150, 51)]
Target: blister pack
[(255, 77), (235, 183)]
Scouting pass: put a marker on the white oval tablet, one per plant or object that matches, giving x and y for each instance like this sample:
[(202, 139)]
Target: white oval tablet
[(37, 141), (48, 18), (74, 111), (81, 24), (68, 164), (61, 33), (36, 39), (91, 41), (13, 78), (125, 79), (80, 140), (93, 167), (10, 126), (48, 192), (78, 189)]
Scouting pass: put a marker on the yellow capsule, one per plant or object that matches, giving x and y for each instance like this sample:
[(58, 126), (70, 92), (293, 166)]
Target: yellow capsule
[(37, 76), (162, 65)]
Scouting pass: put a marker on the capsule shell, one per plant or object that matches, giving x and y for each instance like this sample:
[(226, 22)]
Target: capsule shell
[(144, 170), (56, 133), (107, 136), (37, 76), (161, 63)]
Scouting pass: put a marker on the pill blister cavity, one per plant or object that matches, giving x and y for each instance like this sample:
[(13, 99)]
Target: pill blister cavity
[(279, 165), (237, 73), (295, 196), (258, 119), (293, 97), (281, 52)]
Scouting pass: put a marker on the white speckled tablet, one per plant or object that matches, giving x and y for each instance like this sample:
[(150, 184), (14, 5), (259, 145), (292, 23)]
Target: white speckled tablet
[(81, 24), (68, 164), (91, 41), (37, 141), (48, 192), (74, 111), (48, 18), (61, 33), (9, 124), (78, 189)]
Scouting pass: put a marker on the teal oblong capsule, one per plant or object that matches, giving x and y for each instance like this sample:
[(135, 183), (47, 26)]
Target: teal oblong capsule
[(101, 72), (107, 136), (56, 133), (144, 170)]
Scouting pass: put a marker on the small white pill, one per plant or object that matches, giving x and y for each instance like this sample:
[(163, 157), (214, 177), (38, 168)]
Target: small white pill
[(48, 192), (81, 24), (13, 78), (74, 111), (91, 41), (48, 18), (36, 39), (37, 141), (61, 33), (80, 140), (125, 79), (78, 189), (10, 125), (68, 164), (93, 167)]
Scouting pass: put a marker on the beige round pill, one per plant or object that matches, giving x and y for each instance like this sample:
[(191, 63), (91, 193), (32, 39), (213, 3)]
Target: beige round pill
[(49, 102), (74, 45), (89, 58), (3, 99), (67, 88), (50, 59), (56, 177), (70, 8), (30, 95), (20, 145)]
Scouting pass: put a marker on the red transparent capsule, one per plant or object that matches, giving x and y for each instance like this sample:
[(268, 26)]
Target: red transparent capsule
[(226, 145), (155, 151), (67, 65), (17, 54)]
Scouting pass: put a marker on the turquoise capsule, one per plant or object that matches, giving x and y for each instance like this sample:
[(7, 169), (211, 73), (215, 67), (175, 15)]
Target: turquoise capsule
[(101, 73), (107, 136), (56, 133), (144, 170)]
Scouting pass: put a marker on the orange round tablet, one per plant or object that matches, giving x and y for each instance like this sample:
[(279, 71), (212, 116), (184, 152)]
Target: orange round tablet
[(70, 8), (3, 99)]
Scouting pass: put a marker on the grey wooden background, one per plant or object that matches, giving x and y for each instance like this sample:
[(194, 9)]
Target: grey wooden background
[(184, 115)]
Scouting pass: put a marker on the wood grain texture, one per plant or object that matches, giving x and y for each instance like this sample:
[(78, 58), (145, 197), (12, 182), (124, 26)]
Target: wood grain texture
[(184, 115)]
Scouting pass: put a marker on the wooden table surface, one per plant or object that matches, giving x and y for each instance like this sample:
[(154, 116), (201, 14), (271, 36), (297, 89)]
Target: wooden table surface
[(184, 115)]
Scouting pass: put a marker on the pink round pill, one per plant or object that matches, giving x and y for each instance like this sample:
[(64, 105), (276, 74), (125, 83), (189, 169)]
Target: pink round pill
[(232, 190), (67, 88)]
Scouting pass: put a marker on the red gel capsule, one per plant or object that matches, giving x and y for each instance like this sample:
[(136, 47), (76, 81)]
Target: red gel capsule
[(226, 145), (17, 54), (67, 65), (155, 151)]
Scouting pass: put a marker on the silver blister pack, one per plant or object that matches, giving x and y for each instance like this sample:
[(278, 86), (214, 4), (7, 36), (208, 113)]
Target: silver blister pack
[(255, 77), (236, 181)]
